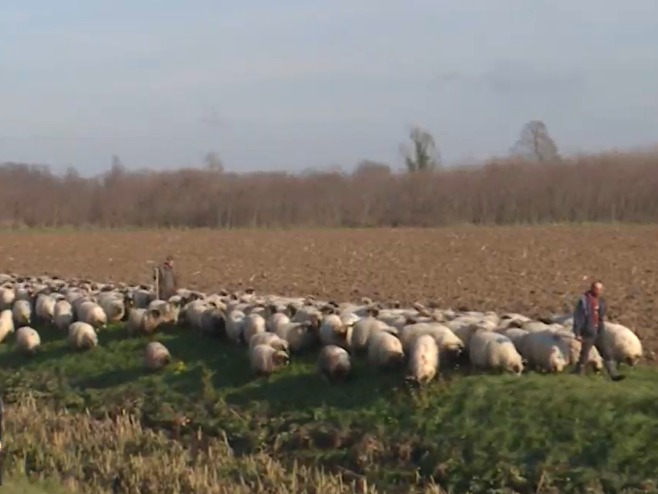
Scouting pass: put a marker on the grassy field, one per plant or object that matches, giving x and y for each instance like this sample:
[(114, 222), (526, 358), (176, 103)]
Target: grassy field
[(466, 433)]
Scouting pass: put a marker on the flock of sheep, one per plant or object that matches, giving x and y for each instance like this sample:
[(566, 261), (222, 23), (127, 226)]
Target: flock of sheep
[(272, 328)]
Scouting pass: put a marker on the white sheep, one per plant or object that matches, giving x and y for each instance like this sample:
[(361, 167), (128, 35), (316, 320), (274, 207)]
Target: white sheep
[(571, 349), (334, 363), (63, 314), (254, 323), (450, 345), (621, 344), (363, 329), (264, 360), (91, 313), (385, 350), (235, 326), (301, 336), (44, 308), (270, 339), (213, 322), (275, 320), (423, 360), (82, 336), (156, 356), (517, 335), (22, 312), (542, 350), (6, 324), (28, 340), (113, 304), (7, 297), (337, 329), (490, 350)]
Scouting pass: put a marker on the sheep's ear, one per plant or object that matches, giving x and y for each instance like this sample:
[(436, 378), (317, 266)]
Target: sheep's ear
[(373, 311), (292, 309), (155, 313), (249, 291), (410, 320)]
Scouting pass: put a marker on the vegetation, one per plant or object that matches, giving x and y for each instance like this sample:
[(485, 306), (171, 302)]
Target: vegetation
[(206, 425), (537, 187)]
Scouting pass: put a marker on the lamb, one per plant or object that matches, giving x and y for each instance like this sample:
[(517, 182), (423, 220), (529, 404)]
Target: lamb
[(270, 339), (6, 324), (22, 313), (28, 340), (82, 336), (156, 356), (114, 305), (621, 344), (213, 322), (423, 360), (334, 363), (385, 350), (135, 321), (275, 320), (490, 350), (264, 360), (542, 350)]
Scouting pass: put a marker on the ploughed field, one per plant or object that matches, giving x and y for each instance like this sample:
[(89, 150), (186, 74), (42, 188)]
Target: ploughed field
[(206, 424), (530, 270)]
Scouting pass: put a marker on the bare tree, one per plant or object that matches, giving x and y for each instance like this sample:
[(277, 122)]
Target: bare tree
[(535, 143), (214, 162), (424, 155)]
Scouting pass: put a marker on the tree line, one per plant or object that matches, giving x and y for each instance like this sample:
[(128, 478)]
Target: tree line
[(533, 185)]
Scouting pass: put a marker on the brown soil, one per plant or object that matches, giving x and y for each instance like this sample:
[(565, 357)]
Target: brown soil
[(533, 270)]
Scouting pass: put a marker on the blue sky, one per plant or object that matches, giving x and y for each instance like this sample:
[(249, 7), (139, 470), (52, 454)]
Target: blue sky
[(291, 84)]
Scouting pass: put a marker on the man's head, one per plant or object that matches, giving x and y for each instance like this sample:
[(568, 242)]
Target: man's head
[(170, 260), (596, 288)]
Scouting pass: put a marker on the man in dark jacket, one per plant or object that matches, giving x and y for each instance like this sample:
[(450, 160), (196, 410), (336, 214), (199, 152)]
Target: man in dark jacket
[(588, 326), (165, 279)]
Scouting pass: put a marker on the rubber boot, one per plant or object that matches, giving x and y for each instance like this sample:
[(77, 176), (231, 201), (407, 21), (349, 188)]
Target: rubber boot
[(612, 371)]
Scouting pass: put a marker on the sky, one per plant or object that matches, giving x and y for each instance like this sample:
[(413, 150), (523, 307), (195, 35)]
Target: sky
[(291, 84)]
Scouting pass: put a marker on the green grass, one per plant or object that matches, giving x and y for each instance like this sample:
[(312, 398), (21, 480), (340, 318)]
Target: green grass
[(24, 486), (468, 433)]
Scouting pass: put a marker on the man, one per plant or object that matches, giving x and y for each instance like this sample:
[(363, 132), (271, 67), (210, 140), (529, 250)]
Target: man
[(165, 279), (588, 326)]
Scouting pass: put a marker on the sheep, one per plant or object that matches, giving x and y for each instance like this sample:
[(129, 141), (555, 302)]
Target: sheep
[(114, 305), (275, 320), (264, 360), (92, 313), (385, 350), (135, 321), (82, 336), (363, 329), (450, 345), (301, 336), (156, 356), (253, 324), (6, 324), (193, 312), (337, 330), (571, 349), (28, 340), (620, 344), (534, 326), (490, 350), (542, 350), (334, 363), (235, 326), (213, 322), (423, 360), (44, 308), (7, 298), (515, 334), (270, 339), (22, 313)]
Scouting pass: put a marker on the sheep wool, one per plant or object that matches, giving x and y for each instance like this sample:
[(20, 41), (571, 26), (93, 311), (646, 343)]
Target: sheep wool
[(334, 363), (621, 344), (254, 323), (423, 360), (22, 313), (156, 356), (63, 314), (490, 350), (264, 360), (270, 339), (542, 350), (28, 340), (6, 324), (385, 350), (82, 336)]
